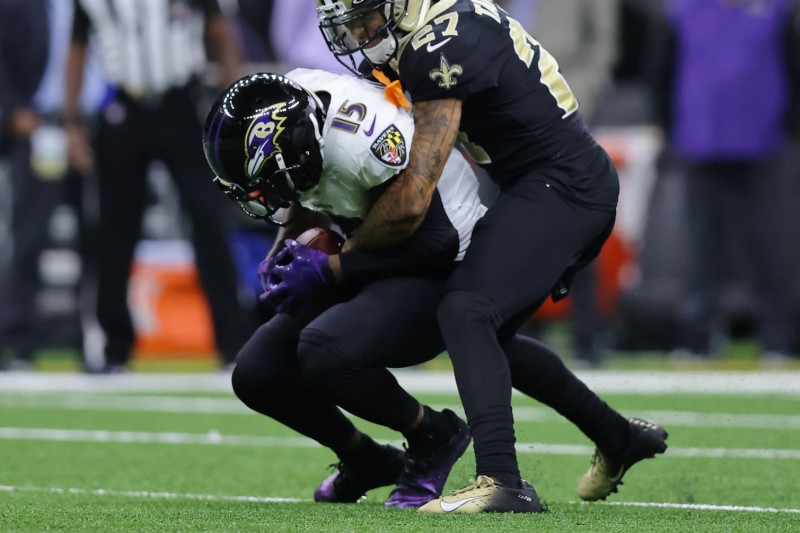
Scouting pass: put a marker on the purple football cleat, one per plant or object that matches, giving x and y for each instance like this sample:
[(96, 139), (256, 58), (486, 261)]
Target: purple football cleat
[(348, 484), (423, 477)]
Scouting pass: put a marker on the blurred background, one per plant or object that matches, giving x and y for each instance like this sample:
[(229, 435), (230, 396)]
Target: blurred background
[(702, 265)]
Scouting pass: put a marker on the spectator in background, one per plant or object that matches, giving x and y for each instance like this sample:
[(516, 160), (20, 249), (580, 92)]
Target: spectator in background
[(293, 18), (253, 21), (583, 35), (33, 41), (153, 54), (725, 72), (23, 58)]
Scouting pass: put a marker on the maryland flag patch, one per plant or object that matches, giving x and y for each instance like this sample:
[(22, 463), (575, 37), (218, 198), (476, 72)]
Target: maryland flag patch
[(390, 147)]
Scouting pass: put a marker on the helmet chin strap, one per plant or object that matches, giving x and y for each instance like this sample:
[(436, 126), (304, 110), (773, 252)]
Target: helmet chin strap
[(381, 53), (282, 166), (318, 132)]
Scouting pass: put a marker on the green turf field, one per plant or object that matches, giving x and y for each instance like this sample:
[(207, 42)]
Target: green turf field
[(98, 454)]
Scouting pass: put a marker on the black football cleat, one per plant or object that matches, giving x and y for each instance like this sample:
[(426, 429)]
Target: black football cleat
[(348, 484), (423, 476)]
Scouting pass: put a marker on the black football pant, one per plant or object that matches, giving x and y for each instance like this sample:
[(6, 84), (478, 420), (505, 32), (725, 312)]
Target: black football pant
[(131, 136), (519, 251), (298, 369)]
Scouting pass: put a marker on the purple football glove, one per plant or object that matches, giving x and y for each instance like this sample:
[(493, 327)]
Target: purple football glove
[(307, 273), (265, 271)]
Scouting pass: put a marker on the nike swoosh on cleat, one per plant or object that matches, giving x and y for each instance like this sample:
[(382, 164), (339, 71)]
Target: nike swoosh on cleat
[(433, 47), (619, 474), (450, 507), (371, 128)]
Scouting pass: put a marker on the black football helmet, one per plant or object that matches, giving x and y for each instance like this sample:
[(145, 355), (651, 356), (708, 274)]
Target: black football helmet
[(263, 139)]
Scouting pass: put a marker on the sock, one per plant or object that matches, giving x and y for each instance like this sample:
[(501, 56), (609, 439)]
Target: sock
[(617, 441), (493, 441), (508, 480), (433, 430)]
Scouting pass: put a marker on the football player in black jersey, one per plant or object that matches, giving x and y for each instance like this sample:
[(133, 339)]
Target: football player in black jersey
[(477, 77)]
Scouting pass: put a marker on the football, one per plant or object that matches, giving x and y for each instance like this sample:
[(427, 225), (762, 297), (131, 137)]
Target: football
[(322, 239)]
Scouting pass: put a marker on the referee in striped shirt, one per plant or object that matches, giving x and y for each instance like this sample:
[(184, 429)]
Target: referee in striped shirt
[(153, 52)]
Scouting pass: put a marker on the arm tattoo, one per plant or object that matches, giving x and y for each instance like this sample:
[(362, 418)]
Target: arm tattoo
[(398, 212)]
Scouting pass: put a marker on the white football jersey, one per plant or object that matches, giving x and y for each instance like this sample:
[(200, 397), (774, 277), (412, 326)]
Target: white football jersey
[(367, 142)]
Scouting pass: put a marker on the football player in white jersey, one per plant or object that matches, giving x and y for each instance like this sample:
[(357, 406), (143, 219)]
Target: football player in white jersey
[(313, 148)]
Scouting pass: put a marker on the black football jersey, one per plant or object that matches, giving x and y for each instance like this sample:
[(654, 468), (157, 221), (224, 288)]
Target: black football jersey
[(519, 114)]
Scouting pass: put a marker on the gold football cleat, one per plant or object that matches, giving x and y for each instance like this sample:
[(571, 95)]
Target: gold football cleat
[(605, 475), (487, 495)]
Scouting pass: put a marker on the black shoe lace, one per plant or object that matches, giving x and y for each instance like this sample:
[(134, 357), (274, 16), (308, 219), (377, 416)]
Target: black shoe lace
[(346, 484), (339, 480), (354, 483), (414, 463), (414, 467)]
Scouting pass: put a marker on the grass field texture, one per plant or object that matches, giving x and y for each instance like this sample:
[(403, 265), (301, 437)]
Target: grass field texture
[(154, 452)]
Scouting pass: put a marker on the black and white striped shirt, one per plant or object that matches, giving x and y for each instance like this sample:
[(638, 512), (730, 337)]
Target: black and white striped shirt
[(146, 46)]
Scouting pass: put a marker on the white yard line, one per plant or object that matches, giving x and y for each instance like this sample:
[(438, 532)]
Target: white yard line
[(165, 404), (217, 439), (695, 506), (75, 401), (212, 438), (416, 381), (261, 499), (155, 495), (679, 418)]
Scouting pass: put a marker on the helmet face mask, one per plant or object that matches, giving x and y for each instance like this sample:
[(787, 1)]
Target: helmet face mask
[(348, 30), (264, 197), (263, 139), (372, 27)]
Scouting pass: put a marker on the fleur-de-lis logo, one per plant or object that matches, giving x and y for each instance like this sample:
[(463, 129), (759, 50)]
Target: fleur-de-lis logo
[(446, 74)]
